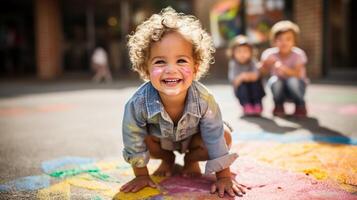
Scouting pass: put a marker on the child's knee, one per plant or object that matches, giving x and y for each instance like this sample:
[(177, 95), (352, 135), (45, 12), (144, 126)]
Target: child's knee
[(153, 144), (196, 141), (149, 139), (293, 82)]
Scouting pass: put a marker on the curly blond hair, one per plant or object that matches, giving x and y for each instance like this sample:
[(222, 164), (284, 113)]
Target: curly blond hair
[(168, 20)]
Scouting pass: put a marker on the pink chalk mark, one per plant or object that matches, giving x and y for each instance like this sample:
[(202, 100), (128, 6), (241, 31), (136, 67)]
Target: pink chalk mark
[(178, 184), (55, 107), (348, 110), (19, 111), (266, 183), (156, 71), (16, 111), (187, 70)]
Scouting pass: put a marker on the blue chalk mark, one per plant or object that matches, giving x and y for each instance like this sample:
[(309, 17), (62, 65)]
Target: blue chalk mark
[(52, 165), (158, 197), (28, 183), (4, 188), (288, 138)]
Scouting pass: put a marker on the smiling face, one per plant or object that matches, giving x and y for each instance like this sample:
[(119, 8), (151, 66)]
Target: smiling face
[(242, 54), (171, 65), (285, 42)]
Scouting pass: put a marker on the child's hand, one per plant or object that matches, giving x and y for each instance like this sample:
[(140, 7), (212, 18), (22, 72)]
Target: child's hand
[(226, 184), (237, 81), (279, 69), (271, 60), (243, 77), (137, 184)]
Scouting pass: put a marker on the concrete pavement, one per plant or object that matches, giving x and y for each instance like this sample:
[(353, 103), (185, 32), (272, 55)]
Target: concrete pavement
[(41, 121)]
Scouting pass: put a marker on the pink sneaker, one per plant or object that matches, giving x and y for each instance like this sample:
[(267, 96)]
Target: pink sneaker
[(258, 109), (248, 109)]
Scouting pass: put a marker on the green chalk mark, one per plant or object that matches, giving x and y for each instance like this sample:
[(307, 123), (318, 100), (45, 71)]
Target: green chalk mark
[(73, 172), (96, 198), (100, 175), (104, 177)]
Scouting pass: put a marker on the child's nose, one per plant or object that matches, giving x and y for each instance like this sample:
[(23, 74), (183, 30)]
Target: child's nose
[(170, 68)]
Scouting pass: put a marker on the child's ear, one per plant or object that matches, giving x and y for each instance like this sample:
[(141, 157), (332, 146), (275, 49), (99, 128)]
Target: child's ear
[(195, 68)]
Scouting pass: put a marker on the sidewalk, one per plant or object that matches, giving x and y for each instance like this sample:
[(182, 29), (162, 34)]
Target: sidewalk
[(42, 122)]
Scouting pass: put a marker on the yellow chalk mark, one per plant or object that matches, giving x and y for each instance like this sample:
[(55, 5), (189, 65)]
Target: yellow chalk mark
[(142, 194), (336, 162), (57, 191), (157, 179), (87, 184), (317, 173), (84, 182), (107, 165)]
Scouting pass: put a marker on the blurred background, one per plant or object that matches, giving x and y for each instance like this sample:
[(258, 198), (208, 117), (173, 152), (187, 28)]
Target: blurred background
[(53, 118), (51, 39)]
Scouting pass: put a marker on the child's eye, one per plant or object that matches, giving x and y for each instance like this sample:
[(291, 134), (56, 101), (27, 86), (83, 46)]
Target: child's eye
[(182, 61), (159, 62)]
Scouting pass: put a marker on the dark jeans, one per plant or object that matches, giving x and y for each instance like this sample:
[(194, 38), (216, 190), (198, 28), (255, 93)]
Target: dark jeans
[(287, 89), (250, 92)]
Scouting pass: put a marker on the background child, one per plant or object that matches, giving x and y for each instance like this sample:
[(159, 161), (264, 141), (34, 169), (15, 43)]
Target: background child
[(244, 76), (100, 65), (172, 111), (286, 65)]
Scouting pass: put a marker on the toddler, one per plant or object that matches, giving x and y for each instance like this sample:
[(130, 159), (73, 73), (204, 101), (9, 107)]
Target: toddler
[(172, 111), (244, 76)]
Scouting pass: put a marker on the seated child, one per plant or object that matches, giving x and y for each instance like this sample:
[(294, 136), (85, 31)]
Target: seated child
[(172, 111), (244, 76), (286, 65)]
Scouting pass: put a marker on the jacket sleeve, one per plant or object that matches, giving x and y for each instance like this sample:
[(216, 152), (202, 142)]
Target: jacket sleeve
[(134, 132), (212, 132)]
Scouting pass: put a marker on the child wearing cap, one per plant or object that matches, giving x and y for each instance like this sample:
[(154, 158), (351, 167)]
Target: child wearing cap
[(244, 76), (286, 64)]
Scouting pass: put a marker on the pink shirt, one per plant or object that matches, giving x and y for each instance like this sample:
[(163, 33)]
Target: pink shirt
[(296, 57)]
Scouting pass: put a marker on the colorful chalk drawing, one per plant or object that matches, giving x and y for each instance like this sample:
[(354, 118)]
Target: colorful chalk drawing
[(273, 169)]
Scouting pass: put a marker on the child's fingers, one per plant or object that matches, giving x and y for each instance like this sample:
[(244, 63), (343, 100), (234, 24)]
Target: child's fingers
[(213, 188), (237, 190), (137, 187), (128, 188), (152, 184), (220, 191), (244, 186), (230, 192), (123, 188)]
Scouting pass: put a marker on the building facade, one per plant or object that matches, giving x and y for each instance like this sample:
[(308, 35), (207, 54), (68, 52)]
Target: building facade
[(49, 38)]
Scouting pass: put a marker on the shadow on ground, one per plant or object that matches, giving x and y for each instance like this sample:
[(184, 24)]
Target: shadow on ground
[(309, 123)]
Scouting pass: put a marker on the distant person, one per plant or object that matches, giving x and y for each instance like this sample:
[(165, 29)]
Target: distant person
[(100, 66), (286, 65), (244, 76), (172, 111)]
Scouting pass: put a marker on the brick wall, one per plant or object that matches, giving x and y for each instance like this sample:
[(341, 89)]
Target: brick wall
[(48, 38), (309, 16)]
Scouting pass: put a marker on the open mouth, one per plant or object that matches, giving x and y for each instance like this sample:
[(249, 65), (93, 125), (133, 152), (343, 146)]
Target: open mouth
[(171, 81)]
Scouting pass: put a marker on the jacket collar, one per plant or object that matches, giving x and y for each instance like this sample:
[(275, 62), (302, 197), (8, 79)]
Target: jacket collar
[(155, 106)]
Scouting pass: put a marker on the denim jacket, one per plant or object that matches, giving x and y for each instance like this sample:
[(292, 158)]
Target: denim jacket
[(145, 114)]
